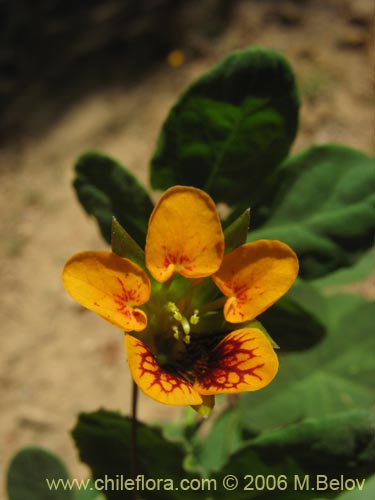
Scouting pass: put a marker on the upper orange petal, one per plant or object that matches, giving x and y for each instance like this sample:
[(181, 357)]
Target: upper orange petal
[(155, 382), (184, 235), (110, 286), (243, 361), (255, 276)]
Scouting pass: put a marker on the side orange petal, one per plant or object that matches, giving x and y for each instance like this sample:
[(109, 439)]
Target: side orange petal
[(255, 276), (109, 285), (155, 382), (243, 361), (184, 235)]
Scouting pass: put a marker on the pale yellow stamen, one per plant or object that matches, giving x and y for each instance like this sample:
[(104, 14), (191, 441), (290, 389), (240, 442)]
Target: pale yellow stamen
[(194, 319), (176, 333), (186, 324)]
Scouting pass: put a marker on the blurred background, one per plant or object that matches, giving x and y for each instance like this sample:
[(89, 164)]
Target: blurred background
[(100, 75)]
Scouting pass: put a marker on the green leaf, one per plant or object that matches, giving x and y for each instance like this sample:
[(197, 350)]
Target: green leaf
[(88, 494), (295, 322), (230, 129), (335, 376), (106, 189), (332, 446), (103, 439), (223, 439), (365, 493), (236, 233), (348, 275), (28, 473), (322, 205)]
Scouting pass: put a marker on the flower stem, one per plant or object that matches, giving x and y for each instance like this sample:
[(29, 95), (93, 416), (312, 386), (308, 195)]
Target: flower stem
[(134, 451)]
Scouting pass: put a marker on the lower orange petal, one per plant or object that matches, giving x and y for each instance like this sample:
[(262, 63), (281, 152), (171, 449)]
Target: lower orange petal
[(155, 382), (243, 361)]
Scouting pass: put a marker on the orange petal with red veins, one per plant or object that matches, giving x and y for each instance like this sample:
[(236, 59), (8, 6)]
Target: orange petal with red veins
[(184, 235), (243, 361), (155, 382), (255, 276), (110, 286)]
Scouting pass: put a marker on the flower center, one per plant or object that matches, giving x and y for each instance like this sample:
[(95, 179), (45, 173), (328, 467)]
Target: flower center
[(181, 327), (180, 349)]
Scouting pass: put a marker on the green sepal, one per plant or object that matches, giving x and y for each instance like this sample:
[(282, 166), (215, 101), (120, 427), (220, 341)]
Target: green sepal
[(235, 234), (206, 407), (124, 245), (257, 324)]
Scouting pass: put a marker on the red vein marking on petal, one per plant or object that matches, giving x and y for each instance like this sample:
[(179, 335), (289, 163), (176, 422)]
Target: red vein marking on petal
[(166, 382), (175, 259), (127, 298), (236, 308), (227, 366), (240, 291)]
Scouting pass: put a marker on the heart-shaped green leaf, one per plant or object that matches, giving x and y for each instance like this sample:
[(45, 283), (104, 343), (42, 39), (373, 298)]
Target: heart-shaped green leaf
[(230, 129)]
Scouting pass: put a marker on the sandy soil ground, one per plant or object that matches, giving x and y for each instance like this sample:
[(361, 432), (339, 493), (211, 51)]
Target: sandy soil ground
[(58, 360)]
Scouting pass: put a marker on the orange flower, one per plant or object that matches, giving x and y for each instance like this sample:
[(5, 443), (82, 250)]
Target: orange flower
[(181, 349)]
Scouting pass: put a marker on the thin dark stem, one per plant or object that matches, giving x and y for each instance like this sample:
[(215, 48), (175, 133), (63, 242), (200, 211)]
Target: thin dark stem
[(133, 438), (134, 431)]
